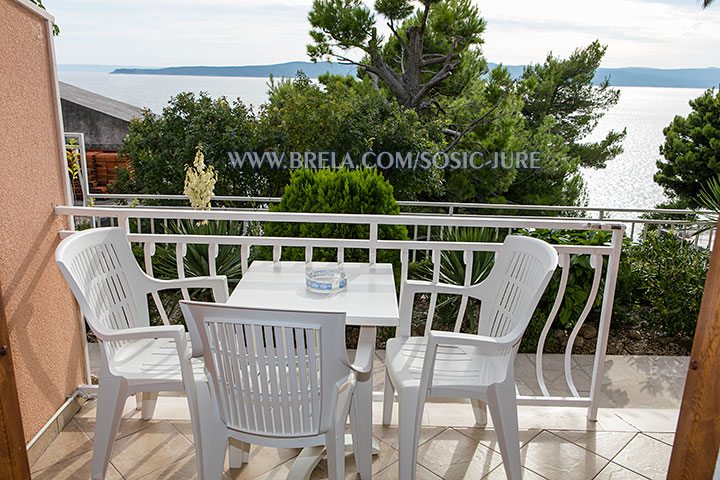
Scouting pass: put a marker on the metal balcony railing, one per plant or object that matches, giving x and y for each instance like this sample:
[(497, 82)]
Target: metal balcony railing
[(144, 227)]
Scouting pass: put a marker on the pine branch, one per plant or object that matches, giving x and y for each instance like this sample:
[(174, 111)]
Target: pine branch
[(478, 120)]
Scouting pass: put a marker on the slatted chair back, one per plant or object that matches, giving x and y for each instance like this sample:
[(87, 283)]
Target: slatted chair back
[(103, 274), (272, 372), (508, 295), (511, 291)]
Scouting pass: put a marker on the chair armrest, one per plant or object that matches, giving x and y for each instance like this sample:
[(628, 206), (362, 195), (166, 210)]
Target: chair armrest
[(364, 355), (436, 338), (423, 286), (452, 338), (218, 284), (176, 332)]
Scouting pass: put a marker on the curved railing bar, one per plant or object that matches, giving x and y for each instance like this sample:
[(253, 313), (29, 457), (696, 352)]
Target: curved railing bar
[(596, 261), (564, 264)]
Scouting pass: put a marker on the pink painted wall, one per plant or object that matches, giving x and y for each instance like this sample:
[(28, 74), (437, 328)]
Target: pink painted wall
[(45, 334)]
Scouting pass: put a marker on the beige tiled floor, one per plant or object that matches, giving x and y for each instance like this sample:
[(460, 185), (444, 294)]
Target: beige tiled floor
[(632, 438)]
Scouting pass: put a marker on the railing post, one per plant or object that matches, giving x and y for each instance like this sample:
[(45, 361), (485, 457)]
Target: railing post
[(605, 317), (180, 252), (710, 238), (123, 222), (415, 237)]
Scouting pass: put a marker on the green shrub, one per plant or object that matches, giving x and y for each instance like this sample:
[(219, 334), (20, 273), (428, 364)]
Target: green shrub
[(670, 274), (341, 191)]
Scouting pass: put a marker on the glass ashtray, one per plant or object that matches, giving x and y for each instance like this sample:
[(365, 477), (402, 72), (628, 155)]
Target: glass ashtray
[(326, 280)]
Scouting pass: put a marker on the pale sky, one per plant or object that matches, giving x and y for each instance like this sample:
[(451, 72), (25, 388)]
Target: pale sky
[(644, 33)]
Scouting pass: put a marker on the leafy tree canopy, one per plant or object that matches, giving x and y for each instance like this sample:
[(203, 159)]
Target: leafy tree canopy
[(691, 150), (427, 46), (562, 89), (159, 147), (431, 62), (345, 116)]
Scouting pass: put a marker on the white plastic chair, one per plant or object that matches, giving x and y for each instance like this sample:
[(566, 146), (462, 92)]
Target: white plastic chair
[(277, 378), (112, 290), (461, 365)]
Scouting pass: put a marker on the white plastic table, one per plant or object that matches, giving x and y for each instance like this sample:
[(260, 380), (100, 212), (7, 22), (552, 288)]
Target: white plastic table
[(369, 301)]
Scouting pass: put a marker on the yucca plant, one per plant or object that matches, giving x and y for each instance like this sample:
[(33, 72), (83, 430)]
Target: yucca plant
[(228, 261), (709, 199), (453, 268)]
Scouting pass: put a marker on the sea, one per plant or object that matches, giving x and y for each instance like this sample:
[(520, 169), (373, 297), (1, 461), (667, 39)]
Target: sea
[(626, 182)]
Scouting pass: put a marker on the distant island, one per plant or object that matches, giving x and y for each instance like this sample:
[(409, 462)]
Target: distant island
[(620, 77), (289, 69)]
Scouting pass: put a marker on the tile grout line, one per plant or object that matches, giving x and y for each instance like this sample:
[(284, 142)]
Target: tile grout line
[(618, 453), (499, 453), (588, 450), (426, 441), (648, 434), (635, 434), (539, 431), (191, 440), (72, 420), (528, 443)]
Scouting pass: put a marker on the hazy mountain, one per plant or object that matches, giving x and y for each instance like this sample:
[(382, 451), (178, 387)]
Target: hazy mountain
[(628, 76), (648, 77), (81, 67), (655, 77), (288, 69)]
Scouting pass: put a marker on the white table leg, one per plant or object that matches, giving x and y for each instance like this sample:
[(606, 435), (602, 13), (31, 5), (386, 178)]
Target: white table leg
[(305, 463), (361, 441), (361, 412), (309, 458)]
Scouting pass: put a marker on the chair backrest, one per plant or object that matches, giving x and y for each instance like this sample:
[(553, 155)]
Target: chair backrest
[(521, 272), (104, 276), (272, 372)]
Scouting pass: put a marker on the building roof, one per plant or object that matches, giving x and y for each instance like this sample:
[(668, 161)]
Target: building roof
[(91, 100)]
